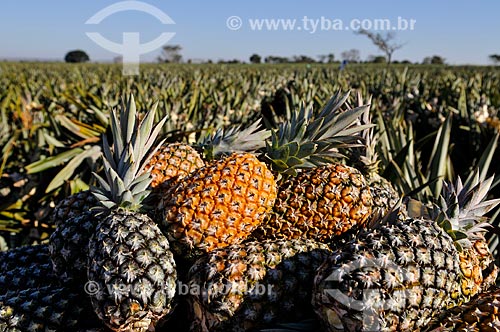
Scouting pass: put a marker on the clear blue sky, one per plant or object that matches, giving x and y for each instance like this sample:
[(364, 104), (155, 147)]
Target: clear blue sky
[(460, 31)]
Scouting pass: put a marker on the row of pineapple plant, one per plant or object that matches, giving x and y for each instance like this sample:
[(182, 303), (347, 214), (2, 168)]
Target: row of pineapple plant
[(70, 105), (309, 141)]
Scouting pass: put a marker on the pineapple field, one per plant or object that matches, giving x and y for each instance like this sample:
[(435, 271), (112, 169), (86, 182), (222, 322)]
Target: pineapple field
[(249, 198)]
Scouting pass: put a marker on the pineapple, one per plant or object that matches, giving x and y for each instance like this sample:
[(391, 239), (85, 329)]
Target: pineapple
[(68, 246), (482, 313), (51, 308), (32, 276), (318, 198), (365, 159), (173, 161), (24, 257), (129, 259), (402, 273), (72, 206), (254, 284), (222, 203)]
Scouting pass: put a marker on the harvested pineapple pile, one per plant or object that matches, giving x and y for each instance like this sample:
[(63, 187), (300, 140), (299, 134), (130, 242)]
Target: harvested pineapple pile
[(254, 229)]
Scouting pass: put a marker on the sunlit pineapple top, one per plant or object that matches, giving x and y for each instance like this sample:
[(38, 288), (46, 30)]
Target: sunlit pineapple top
[(125, 185)]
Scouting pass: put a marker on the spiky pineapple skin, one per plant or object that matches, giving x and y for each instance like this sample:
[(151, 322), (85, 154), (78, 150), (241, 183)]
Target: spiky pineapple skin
[(384, 197), (24, 257), (481, 314), (31, 276), (72, 206), (131, 264), (218, 205), (254, 284), (409, 269), (478, 267), (51, 308), (318, 204), (68, 247), (173, 161)]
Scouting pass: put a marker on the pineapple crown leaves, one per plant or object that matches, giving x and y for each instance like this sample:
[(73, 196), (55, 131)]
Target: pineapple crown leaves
[(365, 157), (234, 139), (461, 209), (124, 161), (308, 139)]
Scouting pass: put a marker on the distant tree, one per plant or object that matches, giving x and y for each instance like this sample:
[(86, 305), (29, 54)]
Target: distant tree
[(233, 61), (276, 59), (303, 59), (383, 42), (351, 56), (495, 58), (433, 60), (377, 59), (327, 58), (76, 56), (170, 54), (406, 62), (255, 58)]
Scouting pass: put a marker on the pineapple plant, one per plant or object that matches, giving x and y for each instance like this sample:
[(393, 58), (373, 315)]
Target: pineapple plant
[(50, 308), (129, 259), (222, 203), (254, 284), (365, 159), (318, 197), (403, 272), (482, 313)]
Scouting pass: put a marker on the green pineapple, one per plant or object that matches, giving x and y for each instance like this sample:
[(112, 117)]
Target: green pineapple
[(31, 276), (402, 273), (129, 259), (254, 284), (24, 257), (68, 246), (51, 308), (72, 206)]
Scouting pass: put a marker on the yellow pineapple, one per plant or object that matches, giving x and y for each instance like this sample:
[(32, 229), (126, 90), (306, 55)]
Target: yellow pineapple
[(173, 161), (222, 203), (318, 198)]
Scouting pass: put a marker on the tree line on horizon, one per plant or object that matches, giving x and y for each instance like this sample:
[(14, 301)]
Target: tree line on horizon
[(384, 42)]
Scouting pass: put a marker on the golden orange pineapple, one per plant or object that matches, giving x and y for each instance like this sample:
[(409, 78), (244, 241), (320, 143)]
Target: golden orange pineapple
[(222, 203), (173, 161), (318, 198)]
